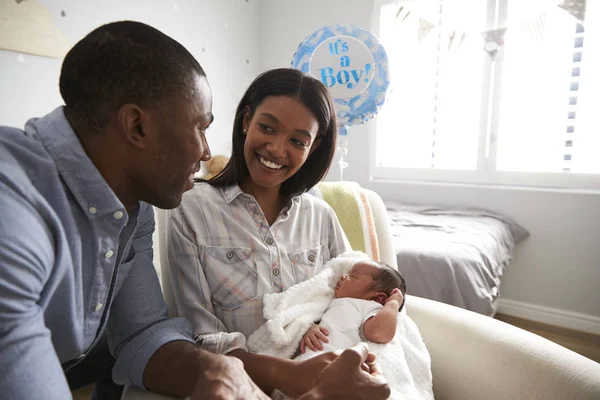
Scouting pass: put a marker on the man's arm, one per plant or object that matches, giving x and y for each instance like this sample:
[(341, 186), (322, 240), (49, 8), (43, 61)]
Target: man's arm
[(353, 375), (181, 369), (181, 357), (138, 324), (29, 364), (293, 378)]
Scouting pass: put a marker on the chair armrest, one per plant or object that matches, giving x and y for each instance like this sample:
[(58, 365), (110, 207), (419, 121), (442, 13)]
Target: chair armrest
[(387, 254), (476, 357)]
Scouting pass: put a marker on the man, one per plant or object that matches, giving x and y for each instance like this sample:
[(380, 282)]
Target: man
[(76, 273)]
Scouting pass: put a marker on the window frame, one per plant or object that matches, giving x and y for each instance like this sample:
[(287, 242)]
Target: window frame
[(485, 173)]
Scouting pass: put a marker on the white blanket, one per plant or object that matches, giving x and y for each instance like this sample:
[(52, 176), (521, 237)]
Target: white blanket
[(405, 361)]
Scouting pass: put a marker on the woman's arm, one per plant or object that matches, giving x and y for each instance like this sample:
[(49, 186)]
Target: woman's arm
[(193, 296)]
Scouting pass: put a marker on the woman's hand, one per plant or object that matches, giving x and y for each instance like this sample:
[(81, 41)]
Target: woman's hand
[(313, 338)]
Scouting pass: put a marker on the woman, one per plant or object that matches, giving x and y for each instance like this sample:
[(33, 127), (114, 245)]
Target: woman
[(253, 229)]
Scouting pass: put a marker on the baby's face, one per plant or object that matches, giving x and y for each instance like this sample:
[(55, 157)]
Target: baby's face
[(357, 282)]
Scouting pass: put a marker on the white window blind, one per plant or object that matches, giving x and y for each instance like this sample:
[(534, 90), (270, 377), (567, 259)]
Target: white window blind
[(522, 113), (432, 118)]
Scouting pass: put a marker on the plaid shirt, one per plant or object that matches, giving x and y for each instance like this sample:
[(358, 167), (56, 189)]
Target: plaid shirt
[(224, 256)]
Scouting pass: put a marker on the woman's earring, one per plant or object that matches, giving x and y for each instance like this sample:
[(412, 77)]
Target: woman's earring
[(245, 130)]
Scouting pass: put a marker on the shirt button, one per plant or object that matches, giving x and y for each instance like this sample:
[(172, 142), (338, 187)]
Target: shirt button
[(269, 241), (276, 271), (311, 258), (98, 307), (109, 254), (229, 254), (93, 210), (118, 214)]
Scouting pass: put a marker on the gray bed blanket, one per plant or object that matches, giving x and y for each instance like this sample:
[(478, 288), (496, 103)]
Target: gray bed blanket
[(453, 255)]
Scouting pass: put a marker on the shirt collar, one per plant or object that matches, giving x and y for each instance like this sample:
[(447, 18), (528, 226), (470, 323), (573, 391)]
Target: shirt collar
[(230, 193), (76, 169)]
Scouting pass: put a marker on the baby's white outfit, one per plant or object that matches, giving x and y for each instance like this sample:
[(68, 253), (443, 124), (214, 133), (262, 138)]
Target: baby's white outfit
[(344, 319)]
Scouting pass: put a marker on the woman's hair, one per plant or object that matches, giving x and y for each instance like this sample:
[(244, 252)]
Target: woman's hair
[(310, 92)]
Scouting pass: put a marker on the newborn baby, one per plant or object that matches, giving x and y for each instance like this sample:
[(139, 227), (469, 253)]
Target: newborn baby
[(366, 305)]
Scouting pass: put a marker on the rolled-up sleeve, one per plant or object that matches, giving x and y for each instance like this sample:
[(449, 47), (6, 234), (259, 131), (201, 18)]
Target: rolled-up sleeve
[(29, 364), (139, 325)]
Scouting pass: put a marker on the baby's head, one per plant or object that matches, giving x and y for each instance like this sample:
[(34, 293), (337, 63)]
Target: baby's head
[(370, 280)]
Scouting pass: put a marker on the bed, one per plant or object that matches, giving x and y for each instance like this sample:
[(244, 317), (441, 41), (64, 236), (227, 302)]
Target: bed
[(454, 255)]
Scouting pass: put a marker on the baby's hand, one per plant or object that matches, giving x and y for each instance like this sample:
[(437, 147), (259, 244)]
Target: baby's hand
[(313, 338), (395, 295)]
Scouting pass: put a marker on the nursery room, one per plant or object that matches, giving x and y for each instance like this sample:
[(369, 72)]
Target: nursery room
[(451, 142)]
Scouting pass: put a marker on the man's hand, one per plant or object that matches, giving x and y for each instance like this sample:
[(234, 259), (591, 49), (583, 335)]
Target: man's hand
[(224, 378), (302, 376), (313, 338), (396, 294), (346, 378)]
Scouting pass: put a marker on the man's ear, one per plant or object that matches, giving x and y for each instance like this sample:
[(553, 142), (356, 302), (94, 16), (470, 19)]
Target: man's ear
[(133, 124), (379, 297)]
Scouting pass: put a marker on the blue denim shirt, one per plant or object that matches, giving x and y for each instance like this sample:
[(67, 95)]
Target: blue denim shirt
[(73, 264)]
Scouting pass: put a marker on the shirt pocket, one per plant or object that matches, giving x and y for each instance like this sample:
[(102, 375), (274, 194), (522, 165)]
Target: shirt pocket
[(124, 268), (306, 263), (123, 273), (231, 274)]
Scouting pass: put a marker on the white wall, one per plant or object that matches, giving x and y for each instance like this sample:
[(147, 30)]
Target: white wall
[(557, 267), (222, 35)]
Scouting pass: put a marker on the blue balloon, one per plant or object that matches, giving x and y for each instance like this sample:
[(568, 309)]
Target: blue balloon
[(353, 65)]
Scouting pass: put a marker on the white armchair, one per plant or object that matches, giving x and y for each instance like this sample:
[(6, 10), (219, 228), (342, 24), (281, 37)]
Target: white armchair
[(473, 357)]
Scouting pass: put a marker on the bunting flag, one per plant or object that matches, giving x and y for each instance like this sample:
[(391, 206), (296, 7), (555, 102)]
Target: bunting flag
[(495, 35), (574, 7), (424, 28), (493, 40)]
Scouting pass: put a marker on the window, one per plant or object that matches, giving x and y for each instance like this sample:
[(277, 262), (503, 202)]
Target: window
[(504, 93)]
